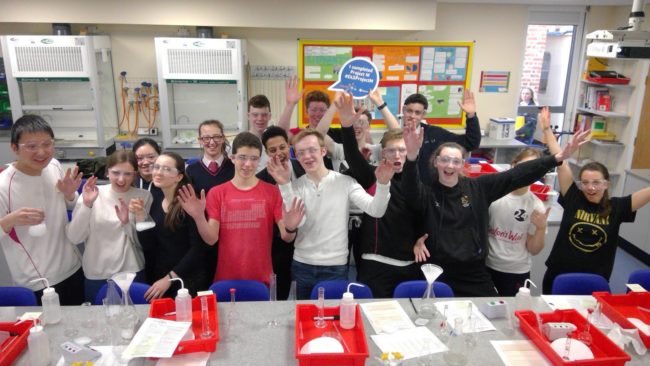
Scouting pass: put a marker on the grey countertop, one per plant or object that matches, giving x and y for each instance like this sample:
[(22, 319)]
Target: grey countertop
[(262, 345)]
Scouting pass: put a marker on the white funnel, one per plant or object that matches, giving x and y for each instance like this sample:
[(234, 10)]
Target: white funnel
[(124, 280), (431, 272)]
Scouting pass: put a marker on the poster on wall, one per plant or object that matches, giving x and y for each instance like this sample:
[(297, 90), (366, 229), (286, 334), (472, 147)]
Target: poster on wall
[(494, 81), (438, 70)]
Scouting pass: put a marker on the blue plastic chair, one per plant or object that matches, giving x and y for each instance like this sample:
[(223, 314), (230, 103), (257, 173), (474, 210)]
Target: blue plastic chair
[(247, 290), (641, 277), (17, 296), (334, 289), (192, 160), (136, 292), (417, 288), (579, 284)]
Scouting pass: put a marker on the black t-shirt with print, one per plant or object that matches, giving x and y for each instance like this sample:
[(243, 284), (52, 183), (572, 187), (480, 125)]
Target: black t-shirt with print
[(587, 242)]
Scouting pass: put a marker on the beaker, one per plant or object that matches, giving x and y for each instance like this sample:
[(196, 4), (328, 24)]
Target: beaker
[(427, 308), (457, 353), (144, 221)]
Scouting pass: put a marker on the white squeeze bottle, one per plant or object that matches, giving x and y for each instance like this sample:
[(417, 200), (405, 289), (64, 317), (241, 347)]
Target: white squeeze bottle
[(523, 300), (38, 345), (51, 304), (348, 308), (184, 308)]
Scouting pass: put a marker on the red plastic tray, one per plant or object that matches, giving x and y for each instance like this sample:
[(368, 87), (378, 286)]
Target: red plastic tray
[(160, 307), (603, 80), (604, 350), (17, 341), (540, 190), (356, 347), (620, 307), (485, 169)]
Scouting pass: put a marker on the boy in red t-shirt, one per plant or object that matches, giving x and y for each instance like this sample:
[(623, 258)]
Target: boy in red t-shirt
[(241, 214)]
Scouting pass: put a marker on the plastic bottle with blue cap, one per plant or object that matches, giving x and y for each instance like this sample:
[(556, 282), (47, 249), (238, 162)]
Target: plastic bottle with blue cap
[(51, 303), (348, 308)]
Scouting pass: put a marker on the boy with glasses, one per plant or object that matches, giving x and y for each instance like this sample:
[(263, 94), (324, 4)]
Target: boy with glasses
[(241, 214), (35, 194), (321, 246), (214, 167), (414, 110)]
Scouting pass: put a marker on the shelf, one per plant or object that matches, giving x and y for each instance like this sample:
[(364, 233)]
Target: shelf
[(184, 127), (603, 113), (616, 144), (580, 164), (610, 86), (56, 108)]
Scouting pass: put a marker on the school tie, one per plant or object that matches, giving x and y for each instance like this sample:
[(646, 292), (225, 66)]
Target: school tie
[(213, 167)]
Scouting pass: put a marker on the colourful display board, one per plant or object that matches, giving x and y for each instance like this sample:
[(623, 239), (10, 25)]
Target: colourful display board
[(438, 70)]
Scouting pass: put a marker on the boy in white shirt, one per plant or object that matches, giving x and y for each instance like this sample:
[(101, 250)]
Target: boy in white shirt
[(321, 246), (34, 191)]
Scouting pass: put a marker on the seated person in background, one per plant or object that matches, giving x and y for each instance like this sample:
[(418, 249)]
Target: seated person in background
[(321, 246), (386, 243), (456, 208), (515, 232), (35, 194), (146, 151), (214, 167), (100, 220), (525, 133), (415, 108), (588, 234), (241, 216), (259, 116), (173, 247), (276, 143)]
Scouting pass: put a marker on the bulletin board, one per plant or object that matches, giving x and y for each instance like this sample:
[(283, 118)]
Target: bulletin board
[(438, 70)]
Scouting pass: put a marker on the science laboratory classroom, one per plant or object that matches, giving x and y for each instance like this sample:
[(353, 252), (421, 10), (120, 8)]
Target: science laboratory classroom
[(337, 182)]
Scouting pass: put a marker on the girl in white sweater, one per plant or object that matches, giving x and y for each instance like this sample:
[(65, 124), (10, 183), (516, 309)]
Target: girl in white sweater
[(101, 220)]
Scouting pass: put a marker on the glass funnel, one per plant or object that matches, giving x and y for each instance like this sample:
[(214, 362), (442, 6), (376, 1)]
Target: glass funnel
[(124, 317), (427, 307)]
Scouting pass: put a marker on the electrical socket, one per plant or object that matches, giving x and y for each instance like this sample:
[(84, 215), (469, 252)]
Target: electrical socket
[(143, 131)]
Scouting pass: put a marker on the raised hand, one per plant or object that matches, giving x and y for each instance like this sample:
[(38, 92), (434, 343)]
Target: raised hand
[(345, 105), (193, 205), (375, 97), (90, 192), (122, 211), (420, 249), (384, 172), (413, 138), (544, 118), (279, 170), (579, 138), (291, 92), (70, 183), (468, 104), (294, 214), (539, 219)]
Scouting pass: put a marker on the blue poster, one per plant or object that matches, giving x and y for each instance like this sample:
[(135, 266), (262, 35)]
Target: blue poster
[(358, 76)]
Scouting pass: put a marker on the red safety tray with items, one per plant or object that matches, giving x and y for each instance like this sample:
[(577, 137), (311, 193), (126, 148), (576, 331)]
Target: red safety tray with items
[(607, 77), (542, 191), (619, 308), (605, 351), (353, 340), (484, 169), (166, 309), (14, 345)]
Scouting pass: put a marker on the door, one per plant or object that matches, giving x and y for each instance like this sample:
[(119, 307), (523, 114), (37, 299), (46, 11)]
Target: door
[(641, 157)]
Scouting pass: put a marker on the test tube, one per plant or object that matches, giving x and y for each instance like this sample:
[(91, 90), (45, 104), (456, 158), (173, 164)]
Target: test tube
[(206, 332), (320, 322)]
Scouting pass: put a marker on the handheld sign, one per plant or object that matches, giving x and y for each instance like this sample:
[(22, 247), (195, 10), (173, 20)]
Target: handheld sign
[(358, 76)]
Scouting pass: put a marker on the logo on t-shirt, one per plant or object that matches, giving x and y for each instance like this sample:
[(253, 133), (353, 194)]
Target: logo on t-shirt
[(521, 215), (587, 235)]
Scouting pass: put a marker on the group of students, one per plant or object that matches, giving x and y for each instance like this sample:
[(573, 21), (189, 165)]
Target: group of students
[(248, 210)]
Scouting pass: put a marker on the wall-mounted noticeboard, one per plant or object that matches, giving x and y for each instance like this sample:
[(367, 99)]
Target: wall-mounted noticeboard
[(438, 70)]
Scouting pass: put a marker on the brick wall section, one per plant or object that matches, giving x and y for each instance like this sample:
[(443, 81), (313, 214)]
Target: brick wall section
[(534, 55)]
